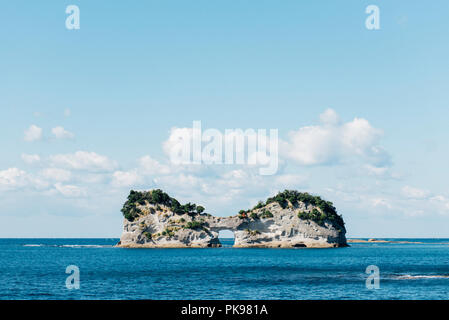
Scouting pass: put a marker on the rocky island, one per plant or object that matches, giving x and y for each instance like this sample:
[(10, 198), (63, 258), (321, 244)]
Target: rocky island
[(290, 219)]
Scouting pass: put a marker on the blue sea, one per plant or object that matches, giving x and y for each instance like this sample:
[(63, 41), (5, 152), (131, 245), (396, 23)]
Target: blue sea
[(36, 269)]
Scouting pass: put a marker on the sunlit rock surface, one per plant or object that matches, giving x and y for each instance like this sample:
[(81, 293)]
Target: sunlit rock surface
[(268, 225)]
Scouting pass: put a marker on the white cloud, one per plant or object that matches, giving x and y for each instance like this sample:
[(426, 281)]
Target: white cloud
[(179, 143), (181, 182), (70, 190), (126, 178), (312, 145), (147, 169), (56, 174), (332, 142), (12, 178), (237, 179), (329, 117), (33, 133), (360, 138), (150, 166), (30, 158), (415, 193), (83, 160), (60, 133)]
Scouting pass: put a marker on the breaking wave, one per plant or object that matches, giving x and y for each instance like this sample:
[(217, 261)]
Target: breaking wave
[(417, 277), (69, 245)]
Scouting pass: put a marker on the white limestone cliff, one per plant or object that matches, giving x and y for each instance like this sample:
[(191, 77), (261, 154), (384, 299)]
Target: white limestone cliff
[(268, 225)]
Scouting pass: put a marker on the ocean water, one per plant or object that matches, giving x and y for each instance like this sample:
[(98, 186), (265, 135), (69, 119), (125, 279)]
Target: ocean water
[(35, 269)]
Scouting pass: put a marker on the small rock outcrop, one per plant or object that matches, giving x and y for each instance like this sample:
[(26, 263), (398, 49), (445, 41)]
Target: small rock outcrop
[(290, 219)]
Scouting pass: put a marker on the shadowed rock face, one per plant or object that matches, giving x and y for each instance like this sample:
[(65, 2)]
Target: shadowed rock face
[(158, 226)]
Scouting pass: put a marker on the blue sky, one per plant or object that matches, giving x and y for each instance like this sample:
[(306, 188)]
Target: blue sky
[(116, 88)]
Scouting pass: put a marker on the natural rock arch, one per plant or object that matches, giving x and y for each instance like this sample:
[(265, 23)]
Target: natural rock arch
[(283, 222)]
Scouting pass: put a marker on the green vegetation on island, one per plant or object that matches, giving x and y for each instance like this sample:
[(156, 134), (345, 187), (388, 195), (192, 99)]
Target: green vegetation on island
[(322, 211), (194, 225), (326, 212), (157, 197)]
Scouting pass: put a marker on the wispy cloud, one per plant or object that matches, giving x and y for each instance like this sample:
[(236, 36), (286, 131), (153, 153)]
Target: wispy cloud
[(30, 158), (84, 160)]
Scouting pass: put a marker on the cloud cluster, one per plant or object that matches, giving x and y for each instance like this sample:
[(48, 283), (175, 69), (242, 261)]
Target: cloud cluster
[(35, 133), (333, 142), (383, 200), (68, 175), (12, 178), (330, 142)]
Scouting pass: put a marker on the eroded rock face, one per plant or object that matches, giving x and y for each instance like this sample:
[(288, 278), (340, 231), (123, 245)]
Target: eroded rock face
[(158, 226), (162, 228)]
